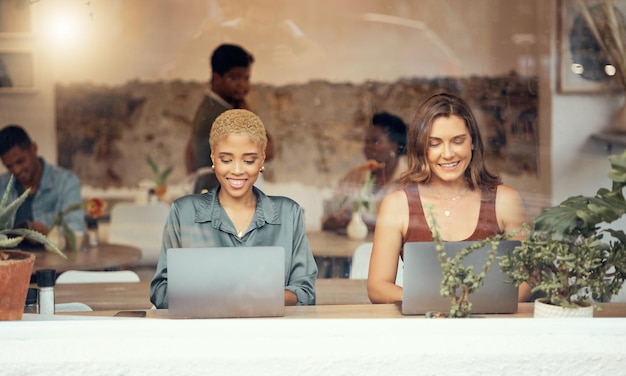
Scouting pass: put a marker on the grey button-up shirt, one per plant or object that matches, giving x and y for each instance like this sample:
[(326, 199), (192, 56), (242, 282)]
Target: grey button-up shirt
[(200, 221)]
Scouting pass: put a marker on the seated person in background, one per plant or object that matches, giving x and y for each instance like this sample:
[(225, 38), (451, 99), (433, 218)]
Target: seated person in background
[(447, 173), (235, 213), (384, 148), (52, 188)]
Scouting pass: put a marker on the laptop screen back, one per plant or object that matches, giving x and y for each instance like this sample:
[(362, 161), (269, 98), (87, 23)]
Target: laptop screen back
[(226, 282), (422, 279)]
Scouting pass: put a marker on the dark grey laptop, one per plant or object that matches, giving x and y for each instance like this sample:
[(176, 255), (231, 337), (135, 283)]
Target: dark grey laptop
[(422, 278), (226, 282)]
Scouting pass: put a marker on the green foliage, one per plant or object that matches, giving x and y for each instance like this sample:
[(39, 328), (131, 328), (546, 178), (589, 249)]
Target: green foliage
[(565, 257), (160, 177), (364, 196), (458, 280), (7, 215), (66, 231)]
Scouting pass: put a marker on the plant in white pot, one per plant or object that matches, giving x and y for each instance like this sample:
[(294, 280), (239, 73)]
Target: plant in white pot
[(16, 266), (570, 258)]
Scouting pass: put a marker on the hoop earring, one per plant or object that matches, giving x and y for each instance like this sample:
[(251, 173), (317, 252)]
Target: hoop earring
[(262, 169)]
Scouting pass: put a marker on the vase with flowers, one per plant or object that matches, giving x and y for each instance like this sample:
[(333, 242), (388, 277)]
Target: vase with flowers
[(357, 228), (94, 208)]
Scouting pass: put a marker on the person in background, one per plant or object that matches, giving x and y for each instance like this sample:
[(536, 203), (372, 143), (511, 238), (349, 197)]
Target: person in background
[(236, 213), (230, 82), (446, 173), (52, 189), (384, 149)]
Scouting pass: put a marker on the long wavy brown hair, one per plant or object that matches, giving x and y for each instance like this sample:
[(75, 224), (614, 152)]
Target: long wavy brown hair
[(445, 105)]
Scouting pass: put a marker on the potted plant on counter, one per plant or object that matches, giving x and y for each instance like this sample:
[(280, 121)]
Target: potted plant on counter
[(16, 266), (458, 280), (570, 258)]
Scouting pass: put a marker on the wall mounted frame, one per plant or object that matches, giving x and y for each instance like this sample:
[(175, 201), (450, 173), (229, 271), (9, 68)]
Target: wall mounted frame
[(571, 33), (16, 18), (17, 71)]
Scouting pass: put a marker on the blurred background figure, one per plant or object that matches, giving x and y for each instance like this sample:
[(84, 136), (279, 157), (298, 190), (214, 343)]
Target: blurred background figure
[(52, 189), (231, 67), (384, 148)]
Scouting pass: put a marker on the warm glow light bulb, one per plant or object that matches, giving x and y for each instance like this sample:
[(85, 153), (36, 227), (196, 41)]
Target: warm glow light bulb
[(66, 23), (610, 70), (63, 28), (577, 68)]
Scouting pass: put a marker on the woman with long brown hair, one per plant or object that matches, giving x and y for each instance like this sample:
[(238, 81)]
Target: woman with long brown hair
[(446, 173)]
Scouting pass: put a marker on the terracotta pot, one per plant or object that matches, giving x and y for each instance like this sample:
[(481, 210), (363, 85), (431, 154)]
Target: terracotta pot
[(545, 310), (14, 280)]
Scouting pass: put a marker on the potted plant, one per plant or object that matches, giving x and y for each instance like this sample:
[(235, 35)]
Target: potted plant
[(16, 267), (357, 228), (160, 177), (566, 259), (459, 281), (62, 235)]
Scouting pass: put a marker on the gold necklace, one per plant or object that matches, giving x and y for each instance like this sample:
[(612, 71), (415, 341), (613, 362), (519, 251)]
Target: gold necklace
[(240, 230), (455, 200)]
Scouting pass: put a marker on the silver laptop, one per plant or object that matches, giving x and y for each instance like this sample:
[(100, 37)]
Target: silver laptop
[(226, 282), (422, 278)]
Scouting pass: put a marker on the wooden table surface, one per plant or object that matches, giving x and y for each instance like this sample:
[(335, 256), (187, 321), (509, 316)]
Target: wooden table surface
[(333, 252), (136, 295), (104, 256), (383, 311), (331, 244)]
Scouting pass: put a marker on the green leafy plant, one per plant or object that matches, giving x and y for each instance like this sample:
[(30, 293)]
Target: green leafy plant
[(94, 208), (362, 199), (565, 258), (66, 231), (7, 215), (459, 281), (160, 177)]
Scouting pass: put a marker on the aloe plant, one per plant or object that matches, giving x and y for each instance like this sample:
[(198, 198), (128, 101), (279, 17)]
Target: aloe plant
[(7, 215)]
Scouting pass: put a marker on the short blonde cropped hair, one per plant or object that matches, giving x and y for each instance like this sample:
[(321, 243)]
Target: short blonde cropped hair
[(238, 121)]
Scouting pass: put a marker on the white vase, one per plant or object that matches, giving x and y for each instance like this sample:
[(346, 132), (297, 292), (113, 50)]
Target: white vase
[(357, 229), (544, 310), (57, 238)]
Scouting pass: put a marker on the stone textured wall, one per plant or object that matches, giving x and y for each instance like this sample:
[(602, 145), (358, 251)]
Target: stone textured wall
[(105, 133)]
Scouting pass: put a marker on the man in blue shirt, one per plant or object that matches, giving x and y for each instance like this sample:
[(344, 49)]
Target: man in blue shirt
[(52, 188)]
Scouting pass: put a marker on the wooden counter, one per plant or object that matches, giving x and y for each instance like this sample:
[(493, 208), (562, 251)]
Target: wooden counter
[(369, 311), (136, 295)]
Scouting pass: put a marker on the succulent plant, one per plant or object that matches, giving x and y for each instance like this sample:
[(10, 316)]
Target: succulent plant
[(7, 215)]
